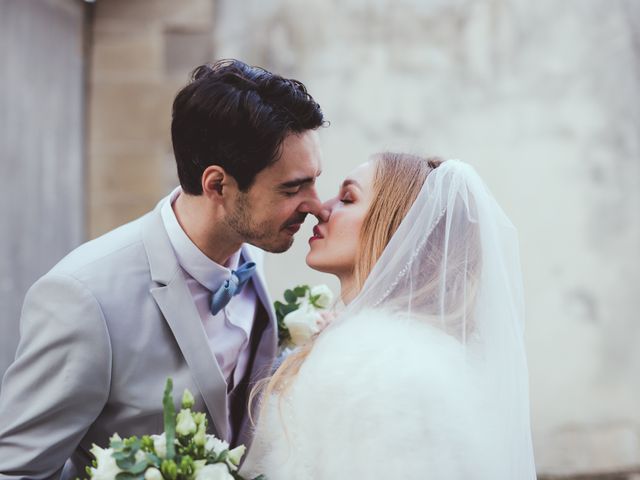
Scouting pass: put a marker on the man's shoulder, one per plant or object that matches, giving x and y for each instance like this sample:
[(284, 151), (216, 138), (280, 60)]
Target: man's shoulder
[(121, 247)]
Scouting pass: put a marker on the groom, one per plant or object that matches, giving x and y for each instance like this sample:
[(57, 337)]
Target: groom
[(177, 293)]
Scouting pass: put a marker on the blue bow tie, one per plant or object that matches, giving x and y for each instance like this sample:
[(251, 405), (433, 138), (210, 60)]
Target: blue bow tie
[(231, 287)]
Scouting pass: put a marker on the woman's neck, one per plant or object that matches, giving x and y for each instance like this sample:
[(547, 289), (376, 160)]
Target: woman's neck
[(347, 288)]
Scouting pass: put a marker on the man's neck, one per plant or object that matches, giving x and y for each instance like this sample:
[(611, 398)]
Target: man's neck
[(205, 228)]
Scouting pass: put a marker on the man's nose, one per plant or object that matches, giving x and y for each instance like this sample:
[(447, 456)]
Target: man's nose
[(315, 207)]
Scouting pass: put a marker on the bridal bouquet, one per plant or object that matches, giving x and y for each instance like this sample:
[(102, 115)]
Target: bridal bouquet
[(182, 452), (301, 317)]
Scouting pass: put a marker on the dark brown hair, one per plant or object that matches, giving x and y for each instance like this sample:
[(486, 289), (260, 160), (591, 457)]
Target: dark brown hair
[(236, 116)]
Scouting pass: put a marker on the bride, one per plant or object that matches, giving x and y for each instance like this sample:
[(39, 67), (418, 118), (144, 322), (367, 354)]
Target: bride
[(423, 374)]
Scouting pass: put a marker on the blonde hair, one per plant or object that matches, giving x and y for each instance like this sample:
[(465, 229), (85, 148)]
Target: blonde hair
[(398, 179)]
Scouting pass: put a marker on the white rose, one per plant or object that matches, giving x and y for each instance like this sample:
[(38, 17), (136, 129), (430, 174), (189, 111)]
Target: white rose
[(199, 465), (160, 445), (215, 445), (217, 471), (302, 323), (324, 294), (185, 425), (152, 474), (236, 454), (107, 468)]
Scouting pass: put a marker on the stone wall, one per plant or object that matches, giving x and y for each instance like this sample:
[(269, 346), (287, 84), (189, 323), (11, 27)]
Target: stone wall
[(142, 53), (42, 103), (542, 97)]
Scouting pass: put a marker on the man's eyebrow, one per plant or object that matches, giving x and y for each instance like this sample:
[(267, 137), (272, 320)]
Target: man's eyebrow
[(297, 182)]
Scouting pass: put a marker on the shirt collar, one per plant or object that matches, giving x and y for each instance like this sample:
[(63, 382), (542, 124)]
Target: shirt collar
[(204, 270)]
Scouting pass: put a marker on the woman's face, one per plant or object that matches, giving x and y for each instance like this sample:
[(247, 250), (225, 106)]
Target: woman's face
[(334, 244)]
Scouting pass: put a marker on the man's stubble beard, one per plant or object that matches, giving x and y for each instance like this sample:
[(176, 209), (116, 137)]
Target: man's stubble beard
[(258, 234)]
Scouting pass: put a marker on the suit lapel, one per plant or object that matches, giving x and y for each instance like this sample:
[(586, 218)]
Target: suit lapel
[(176, 303), (268, 346), (264, 348)]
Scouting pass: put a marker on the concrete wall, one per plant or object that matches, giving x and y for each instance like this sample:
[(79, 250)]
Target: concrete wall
[(142, 53), (542, 97), (41, 147)]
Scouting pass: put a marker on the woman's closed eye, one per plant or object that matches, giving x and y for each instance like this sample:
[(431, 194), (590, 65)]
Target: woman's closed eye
[(347, 198)]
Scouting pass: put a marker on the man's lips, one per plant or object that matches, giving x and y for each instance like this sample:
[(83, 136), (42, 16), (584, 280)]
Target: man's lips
[(293, 228), (317, 235)]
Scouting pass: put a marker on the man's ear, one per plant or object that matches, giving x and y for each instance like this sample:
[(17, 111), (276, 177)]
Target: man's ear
[(215, 181)]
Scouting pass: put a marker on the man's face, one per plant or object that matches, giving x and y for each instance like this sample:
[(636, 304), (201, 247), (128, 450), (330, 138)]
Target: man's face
[(272, 210)]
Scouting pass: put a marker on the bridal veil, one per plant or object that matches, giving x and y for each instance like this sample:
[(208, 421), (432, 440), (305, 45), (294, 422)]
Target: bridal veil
[(454, 264)]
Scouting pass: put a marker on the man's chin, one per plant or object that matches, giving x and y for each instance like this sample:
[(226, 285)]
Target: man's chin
[(278, 246)]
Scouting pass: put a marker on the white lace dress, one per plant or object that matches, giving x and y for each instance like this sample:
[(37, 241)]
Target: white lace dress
[(379, 398)]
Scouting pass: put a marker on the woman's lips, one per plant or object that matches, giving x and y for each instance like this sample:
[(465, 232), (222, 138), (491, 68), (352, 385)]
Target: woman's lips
[(316, 234)]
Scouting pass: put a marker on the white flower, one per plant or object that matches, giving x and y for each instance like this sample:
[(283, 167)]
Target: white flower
[(236, 454), (185, 425), (215, 445), (302, 323), (199, 465), (324, 294), (217, 471), (152, 474), (160, 445), (106, 469)]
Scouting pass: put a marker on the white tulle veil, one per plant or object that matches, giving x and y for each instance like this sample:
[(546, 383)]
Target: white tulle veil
[(454, 263)]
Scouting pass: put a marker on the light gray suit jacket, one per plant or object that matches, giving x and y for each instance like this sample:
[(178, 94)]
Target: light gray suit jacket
[(99, 335)]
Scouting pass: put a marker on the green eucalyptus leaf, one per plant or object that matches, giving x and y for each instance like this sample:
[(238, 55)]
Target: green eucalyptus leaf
[(290, 297), (153, 459), (277, 306), (120, 455), (301, 290), (134, 443), (139, 467), (125, 463), (116, 444), (127, 476), (287, 309)]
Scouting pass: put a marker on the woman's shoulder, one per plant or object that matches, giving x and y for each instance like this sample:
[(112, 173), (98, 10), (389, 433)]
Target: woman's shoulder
[(382, 354), (389, 337), (377, 381)]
